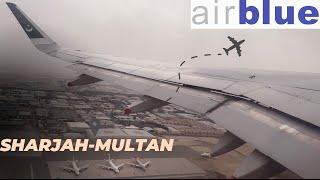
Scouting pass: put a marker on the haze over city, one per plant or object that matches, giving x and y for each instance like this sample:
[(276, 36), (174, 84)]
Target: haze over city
[(154, 31)]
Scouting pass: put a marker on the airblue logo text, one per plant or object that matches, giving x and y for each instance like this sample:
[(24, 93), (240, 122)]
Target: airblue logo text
[(255, 14)]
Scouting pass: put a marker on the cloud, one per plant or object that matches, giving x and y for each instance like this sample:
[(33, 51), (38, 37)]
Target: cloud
[(157, 30)]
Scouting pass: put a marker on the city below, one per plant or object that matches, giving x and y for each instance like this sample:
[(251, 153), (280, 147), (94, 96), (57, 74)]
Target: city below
[(97, 112)]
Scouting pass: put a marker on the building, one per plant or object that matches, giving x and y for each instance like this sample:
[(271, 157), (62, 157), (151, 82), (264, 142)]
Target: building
[(73, 136), (173, 131), (160, 131), (77, 126), (131, 127), (138, 134), (111, 133), (148, 129)]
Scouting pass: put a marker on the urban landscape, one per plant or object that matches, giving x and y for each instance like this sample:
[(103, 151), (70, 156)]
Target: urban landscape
[(97, 112)]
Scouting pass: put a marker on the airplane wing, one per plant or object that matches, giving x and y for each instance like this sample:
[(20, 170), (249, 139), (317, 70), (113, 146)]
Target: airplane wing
[(232, 40), (84, 167), (132, 164), (147, 164), (239, 51), (121, 166), (276, 112), (105, 167), (68, 169)]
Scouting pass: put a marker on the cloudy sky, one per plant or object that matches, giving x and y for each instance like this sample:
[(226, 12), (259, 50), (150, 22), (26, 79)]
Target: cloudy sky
[(152, 30)]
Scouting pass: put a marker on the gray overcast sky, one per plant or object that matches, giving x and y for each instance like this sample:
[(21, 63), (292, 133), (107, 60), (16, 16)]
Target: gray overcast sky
[(153, 30)]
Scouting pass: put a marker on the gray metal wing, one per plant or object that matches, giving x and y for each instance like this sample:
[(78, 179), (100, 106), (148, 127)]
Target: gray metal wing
[(276, 112)]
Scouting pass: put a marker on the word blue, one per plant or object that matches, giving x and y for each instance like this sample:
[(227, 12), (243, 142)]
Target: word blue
[(307, 15)]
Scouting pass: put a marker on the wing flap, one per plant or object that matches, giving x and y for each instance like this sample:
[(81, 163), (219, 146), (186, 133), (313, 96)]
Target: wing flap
[(202, 81), (197, 101), (193, 100), (243, 87), (277, 136), (289, 104)]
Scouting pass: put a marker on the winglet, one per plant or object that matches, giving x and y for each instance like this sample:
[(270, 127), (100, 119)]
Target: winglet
[(40, 39)]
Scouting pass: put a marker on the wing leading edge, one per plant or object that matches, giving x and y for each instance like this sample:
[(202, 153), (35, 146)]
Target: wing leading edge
[(278, 122)]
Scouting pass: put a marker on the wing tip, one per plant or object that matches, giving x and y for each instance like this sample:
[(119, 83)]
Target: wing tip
[(11, 4)]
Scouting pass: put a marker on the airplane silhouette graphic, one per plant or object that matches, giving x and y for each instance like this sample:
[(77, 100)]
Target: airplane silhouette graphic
[(236, 45)]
